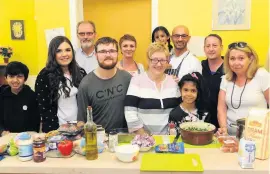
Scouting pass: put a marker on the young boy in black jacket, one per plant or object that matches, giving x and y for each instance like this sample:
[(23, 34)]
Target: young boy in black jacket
[(18, 105)]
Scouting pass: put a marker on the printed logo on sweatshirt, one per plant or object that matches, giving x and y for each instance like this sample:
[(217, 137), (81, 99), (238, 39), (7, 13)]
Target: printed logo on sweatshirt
[(110, 93)]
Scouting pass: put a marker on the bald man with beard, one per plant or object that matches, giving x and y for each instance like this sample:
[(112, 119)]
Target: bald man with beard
[(182, 61)]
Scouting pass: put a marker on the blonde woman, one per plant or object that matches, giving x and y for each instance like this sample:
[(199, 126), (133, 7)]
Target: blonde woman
[(151, 95), (244, 85)]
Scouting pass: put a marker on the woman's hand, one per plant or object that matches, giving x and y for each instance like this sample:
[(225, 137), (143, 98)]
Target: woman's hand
[(80, 124), (175, 78), (222, 131), (141, 131)]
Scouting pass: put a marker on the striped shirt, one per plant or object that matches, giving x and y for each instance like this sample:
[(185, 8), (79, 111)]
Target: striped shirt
[(147, 107)]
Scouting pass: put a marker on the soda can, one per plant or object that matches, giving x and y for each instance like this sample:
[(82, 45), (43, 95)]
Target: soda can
[(246, 153)]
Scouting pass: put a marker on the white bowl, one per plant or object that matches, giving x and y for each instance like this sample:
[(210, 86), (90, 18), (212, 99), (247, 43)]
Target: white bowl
[(127, 153), (145, 149)]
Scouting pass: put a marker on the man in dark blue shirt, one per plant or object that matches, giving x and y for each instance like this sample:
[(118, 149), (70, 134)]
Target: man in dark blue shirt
[(212, 71)]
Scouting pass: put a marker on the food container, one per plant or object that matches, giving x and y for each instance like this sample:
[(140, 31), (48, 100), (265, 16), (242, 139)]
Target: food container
[(229, 144), (113, 140), (145, 142), (124, 136), (197, 133), (127, 153), (53, 141), (39, 148), (70, 129), (240, 125), (246, 154), (25, 146)]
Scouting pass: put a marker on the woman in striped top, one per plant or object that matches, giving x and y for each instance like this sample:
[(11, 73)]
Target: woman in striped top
[(152, 95)]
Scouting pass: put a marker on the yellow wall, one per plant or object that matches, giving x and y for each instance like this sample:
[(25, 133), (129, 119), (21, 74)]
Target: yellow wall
[(38, 15), (50, 14), (115, 18), (24, 50), (197, 15)]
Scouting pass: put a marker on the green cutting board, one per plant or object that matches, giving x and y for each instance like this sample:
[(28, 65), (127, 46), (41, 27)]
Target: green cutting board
[(214, 144), (171, 162)]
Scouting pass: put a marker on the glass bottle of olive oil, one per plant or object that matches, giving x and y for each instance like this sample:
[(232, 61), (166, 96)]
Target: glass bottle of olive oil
[(90, 131)]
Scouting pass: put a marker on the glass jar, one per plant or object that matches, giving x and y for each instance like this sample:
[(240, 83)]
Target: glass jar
[(39, 148), (25, 146), (113, 140), (100, 139)]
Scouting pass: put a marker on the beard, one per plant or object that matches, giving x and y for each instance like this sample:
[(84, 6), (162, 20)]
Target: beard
[(107, 66), (183, 46), (87, 43)]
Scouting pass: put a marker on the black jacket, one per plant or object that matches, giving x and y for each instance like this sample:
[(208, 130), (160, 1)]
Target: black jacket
[(47, 110), (19, 113), (212, 82), (2, 88)]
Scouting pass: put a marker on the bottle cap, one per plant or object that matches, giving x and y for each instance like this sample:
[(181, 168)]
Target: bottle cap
[(113, 132), (24, 136)]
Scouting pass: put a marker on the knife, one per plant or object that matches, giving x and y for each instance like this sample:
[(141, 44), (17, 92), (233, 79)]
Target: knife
[(176, 137)]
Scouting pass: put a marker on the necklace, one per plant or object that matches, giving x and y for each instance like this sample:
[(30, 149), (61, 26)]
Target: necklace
[(240, 95)]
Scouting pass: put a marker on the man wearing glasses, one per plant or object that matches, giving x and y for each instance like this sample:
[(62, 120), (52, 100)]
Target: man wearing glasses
[(85, 55), (104, 88), (182, 60)]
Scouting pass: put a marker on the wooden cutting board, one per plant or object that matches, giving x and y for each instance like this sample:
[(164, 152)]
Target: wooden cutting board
[(171, 162)]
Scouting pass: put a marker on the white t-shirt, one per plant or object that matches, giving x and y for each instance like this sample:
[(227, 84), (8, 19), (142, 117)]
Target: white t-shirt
[(190, 63), (67, 107), (87, 62), (253, 96)]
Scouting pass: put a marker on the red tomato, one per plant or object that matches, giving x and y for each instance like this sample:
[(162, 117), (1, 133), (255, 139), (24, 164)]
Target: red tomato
[(65, 147)]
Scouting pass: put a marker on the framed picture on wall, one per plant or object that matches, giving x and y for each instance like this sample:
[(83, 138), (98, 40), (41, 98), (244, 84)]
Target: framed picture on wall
[(17, 29), (231, 14)]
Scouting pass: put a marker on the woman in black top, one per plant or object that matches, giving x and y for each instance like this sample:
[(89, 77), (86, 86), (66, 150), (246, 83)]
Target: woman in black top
[(52, 81)]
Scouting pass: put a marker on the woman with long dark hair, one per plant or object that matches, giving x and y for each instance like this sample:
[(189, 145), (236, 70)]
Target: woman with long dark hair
[(57, 83)]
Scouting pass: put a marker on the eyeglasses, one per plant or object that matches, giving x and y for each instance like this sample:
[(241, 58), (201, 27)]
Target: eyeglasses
[(237, 44), (156, 60), (85, 33), (177, 36), (107, 51)]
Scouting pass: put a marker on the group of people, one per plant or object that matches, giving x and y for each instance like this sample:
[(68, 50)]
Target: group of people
[(175, 88)]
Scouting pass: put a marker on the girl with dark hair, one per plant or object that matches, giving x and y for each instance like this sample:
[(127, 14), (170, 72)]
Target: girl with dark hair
[(56, 85), (161, 34), (191, 108)]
